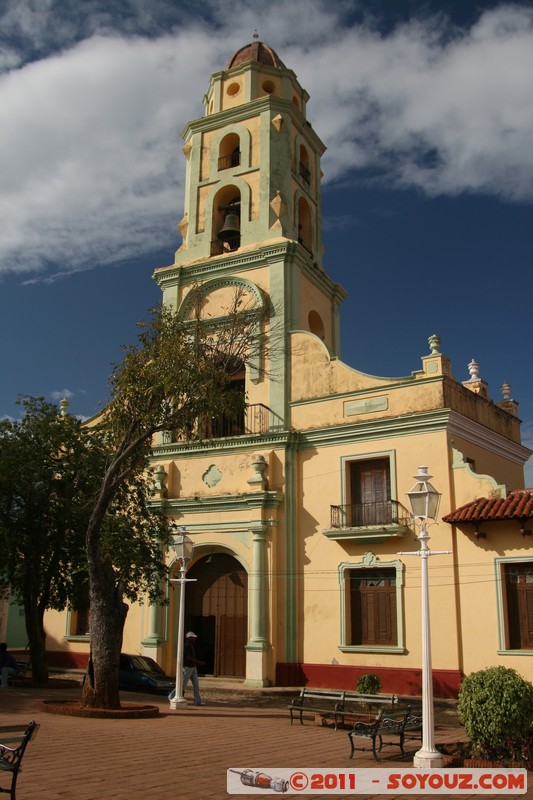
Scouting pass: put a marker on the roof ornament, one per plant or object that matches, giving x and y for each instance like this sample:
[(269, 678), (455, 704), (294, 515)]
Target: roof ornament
[(506, 390), (434, 344), (473, 369), (255, 34)]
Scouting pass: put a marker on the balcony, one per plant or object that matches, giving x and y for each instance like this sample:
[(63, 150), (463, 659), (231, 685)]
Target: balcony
[(254, 420), (231, 160), (368, 522), (305, 174)]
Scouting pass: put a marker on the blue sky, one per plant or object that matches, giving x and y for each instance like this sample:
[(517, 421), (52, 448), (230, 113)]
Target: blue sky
[(426, 109)]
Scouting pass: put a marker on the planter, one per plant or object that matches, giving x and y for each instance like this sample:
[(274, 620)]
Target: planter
[(75, 709)]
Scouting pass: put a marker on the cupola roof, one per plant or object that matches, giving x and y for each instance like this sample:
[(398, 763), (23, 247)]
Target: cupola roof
[(256, 51)]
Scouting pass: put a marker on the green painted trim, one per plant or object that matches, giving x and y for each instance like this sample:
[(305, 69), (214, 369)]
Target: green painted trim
[(515, 653), (500, 604), (254, 108), (227, 445), (221, 503), (369, 430), (371, 561), (291, 561), (356, 649), (366, 535), (346, 460)]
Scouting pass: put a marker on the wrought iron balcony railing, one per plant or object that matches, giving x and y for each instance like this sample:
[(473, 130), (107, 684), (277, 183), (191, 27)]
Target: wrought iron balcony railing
[(364, 515), (305, 173), (231, 160), (255, 419)]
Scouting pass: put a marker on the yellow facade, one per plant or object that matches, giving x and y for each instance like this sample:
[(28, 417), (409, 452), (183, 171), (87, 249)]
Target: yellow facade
[(297, 511)]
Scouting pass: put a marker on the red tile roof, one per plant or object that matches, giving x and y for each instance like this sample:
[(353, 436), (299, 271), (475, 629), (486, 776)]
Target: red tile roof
[(517, 505), (256, 51)]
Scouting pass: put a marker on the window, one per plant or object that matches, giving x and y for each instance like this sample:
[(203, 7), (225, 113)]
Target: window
[(79, 615), (372, 605), (518, 591), (369, 493)]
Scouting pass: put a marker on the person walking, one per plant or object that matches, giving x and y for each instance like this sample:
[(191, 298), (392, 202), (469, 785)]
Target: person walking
[(8, 666), (190, 664)]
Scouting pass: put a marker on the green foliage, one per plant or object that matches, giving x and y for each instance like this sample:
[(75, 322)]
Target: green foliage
[(369, 684), (496, 709)]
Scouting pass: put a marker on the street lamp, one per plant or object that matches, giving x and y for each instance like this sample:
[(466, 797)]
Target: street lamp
[(424, 500), (183, 548)]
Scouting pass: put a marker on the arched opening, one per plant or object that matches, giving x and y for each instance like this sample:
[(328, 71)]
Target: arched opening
[(229, 154), (316, 325), (216, 609), (226, 226), (303, 166), (305, 225), (233, 424)]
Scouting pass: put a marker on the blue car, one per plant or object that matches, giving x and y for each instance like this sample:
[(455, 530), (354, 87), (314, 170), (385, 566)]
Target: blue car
[(143, 674)]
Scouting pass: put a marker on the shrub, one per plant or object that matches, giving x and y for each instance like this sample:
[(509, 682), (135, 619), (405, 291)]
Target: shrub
[(496, 709), (369, 684)]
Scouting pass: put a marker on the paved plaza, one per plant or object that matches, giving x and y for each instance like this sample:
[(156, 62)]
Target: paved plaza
[(183, 754)]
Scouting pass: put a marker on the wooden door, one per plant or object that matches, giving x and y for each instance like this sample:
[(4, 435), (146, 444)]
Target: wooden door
[(219, 598)]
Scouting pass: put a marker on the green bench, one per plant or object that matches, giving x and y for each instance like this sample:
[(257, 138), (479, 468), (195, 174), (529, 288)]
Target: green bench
[(389, 722)]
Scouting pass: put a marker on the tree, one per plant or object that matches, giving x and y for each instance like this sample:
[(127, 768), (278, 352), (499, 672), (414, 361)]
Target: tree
[(176, 375), (41, 516)]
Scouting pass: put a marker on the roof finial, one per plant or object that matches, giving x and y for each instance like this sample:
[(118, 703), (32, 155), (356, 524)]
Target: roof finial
[(255, 34)]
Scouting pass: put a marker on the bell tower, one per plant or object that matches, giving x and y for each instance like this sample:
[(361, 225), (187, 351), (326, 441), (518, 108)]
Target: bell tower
[(252, 210)]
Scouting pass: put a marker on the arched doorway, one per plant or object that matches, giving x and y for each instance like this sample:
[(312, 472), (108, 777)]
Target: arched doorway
[(216, 609)]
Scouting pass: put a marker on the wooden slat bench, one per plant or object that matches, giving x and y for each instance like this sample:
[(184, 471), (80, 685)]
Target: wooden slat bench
[(13, 742), (316, 701), (389, 722), (355, 704)]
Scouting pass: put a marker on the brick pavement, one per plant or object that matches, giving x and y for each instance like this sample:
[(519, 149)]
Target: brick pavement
[(183, 754)]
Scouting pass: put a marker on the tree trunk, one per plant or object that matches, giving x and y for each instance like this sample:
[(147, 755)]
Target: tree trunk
[(36, 640), (108, 615)]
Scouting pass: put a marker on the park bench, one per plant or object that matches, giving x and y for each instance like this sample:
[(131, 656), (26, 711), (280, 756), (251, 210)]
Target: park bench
[(413, 726), (389, 722), (356, 704), (316, 701), (13, 742)]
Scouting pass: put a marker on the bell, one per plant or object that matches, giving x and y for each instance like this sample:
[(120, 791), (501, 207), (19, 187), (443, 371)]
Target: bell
[(231, 231)]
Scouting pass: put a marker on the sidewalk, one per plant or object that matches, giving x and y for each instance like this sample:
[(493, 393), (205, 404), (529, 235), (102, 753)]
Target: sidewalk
[(183, 754)]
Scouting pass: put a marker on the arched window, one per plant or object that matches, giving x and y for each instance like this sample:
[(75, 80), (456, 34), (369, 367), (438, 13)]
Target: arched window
[(229, 154), (305, 225), (303, 166)]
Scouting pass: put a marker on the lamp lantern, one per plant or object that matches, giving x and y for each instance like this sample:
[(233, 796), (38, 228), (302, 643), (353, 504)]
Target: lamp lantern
[(423, 497)]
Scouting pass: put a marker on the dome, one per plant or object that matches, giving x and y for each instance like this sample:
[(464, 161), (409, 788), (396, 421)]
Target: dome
[(256, 51)]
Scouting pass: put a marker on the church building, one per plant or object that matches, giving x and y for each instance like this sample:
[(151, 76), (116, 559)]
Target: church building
[(297, 508)]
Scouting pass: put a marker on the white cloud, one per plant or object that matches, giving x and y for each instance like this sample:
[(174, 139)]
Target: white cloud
[(90, 155)]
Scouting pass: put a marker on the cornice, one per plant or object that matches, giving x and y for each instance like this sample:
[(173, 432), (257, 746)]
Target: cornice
[(258, 258), (376, 429), (451, 422), (481, 436), (227, 446), (253, 109), (222, 504)]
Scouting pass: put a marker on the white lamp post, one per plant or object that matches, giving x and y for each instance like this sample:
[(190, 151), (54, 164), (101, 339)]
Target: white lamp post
[(183, 548), (424, 500)]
